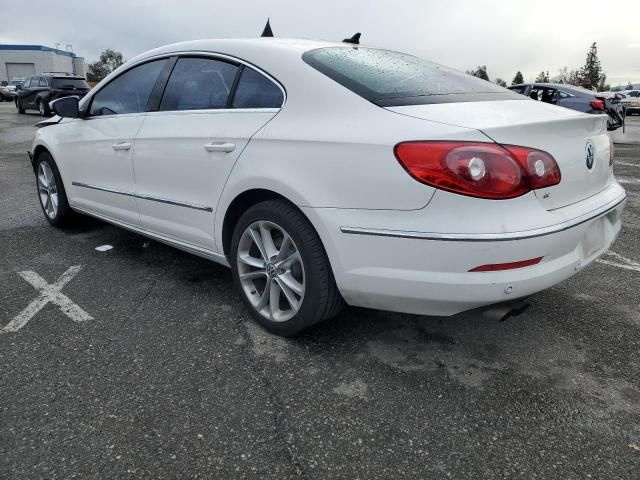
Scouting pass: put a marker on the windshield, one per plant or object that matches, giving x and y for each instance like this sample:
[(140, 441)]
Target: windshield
[(389, 78), (70, 83)]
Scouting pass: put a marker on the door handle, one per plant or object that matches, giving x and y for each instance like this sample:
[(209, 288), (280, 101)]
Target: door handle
[(220, 147), (122, 146)]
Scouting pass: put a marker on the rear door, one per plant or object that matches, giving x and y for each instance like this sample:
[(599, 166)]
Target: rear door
[(30, 93), (210, 109)]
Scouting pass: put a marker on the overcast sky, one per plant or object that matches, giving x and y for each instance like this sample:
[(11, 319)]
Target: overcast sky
[(505, 36)]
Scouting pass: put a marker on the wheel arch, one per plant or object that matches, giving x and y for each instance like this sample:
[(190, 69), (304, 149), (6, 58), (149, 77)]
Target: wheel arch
[(240, 204), (37, 151)]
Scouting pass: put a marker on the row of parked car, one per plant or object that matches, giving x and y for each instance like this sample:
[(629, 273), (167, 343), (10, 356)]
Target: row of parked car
[(581, 99)]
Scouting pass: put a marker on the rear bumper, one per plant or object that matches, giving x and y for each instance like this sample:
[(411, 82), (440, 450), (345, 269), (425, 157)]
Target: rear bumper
[(423, 273)]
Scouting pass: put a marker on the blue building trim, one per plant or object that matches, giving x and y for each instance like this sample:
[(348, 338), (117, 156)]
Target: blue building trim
[(41, 48)]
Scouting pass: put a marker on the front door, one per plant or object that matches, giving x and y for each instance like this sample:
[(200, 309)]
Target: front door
[(185, 152), (97, 150)]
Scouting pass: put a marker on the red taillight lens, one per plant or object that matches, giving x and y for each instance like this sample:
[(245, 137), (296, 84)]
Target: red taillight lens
[(495, 267), (484, 170), (597, 104)]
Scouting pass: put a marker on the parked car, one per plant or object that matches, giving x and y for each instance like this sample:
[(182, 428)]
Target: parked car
[(37, 91), (631, 101), (15, 83), (324, 173), (575, 98), (6, 94)]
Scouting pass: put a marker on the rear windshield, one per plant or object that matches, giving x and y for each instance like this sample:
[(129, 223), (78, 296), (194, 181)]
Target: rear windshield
[(389, 78), (70, 83)]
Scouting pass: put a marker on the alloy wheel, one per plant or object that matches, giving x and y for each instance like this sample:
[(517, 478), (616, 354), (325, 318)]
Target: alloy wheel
[(47, 190), (271, 271), (41, 109)]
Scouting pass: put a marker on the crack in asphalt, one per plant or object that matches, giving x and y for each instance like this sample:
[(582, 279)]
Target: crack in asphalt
[(280, 411)]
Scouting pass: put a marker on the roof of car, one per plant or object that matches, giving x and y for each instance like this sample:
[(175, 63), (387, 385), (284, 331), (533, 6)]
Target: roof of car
[(242, 46)]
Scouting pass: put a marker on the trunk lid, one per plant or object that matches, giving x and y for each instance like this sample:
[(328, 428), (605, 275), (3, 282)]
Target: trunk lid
[(570, 136)]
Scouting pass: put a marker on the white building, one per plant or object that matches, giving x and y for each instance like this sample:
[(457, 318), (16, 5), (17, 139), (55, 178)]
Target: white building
[(22, 61)]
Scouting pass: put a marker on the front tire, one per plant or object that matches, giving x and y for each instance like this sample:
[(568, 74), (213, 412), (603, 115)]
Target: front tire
[(51, 192), (281, 269), (19, 106)]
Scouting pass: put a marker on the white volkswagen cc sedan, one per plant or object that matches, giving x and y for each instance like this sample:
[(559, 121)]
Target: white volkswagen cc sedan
[(325, 173)]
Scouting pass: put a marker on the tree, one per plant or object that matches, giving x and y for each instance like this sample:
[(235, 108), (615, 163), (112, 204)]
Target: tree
[(109, 60), (603, 86), (629, 86), (501, 82), (518, 79), (542, 77), (481, 72), (563, 75), (575, 78), (592, 73)]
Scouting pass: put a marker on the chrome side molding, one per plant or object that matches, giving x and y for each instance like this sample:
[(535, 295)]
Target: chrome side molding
[(143, 196)]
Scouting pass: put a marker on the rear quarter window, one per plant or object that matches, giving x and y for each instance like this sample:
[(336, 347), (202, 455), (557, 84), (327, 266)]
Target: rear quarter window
[(389, 78), (256, 91)]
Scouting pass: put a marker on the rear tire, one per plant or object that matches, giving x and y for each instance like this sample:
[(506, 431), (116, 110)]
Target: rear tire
[(286, 282), (51, 192)]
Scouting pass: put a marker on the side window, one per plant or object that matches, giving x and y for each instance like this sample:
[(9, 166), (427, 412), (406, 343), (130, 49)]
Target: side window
[(27, 83), (198, 84), (536, 93), (549, 95), (256, 91), (43, 82), (129, 92)]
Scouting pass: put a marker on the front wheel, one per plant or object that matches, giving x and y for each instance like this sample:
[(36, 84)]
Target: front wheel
[(51, 193), (281, 269), (19, 106)]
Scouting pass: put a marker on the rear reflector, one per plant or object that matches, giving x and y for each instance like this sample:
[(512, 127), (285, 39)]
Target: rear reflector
[(494, 267)]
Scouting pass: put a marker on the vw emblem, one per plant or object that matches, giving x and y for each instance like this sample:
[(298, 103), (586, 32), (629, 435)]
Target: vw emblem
[(271, 270), (590, 154)]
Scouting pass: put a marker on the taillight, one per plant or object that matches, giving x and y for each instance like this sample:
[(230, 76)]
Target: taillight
[(597, 104), (484, 170)]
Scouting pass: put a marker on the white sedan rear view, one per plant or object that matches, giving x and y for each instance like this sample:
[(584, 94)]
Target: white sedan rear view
[(325, 173)]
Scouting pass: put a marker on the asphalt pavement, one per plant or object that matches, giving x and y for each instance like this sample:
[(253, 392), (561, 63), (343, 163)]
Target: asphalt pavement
[(166, 376)]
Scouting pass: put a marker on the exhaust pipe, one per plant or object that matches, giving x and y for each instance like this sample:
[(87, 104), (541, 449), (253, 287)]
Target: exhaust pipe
[(503, 311)]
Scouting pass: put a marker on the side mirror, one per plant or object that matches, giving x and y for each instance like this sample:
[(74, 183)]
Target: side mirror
[(618, 96), (66, 107)]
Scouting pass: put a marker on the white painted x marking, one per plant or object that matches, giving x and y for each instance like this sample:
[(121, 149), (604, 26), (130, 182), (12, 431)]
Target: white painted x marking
[(48, 293)]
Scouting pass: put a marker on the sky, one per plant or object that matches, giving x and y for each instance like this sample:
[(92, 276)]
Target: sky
[(504, 36)]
